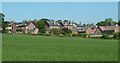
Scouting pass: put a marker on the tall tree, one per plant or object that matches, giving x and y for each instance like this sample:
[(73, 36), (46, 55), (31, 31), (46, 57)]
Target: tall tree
[(40, 24), (107, 22), (119, 23), (3, 24)]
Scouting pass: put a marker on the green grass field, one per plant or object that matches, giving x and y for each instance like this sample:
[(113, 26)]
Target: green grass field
[(46, 48)]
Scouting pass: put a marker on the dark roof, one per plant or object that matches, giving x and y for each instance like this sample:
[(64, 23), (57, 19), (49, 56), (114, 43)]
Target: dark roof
[(85, 28), (21, 24), (111, 27), (67, 23), (53, 23), (79, 25)]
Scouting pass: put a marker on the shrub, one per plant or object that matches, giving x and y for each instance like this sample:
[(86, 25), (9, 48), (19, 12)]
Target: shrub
[(117, 35), (105, 36), (19, 30), (82, 35), (56, 31), (74, 35), (66, 30), (46, 34), (67, 34)]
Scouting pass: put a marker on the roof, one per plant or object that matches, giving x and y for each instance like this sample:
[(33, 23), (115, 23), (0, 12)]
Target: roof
[(84, 28), (79, 25), (20, 24), (53, 23), (111, 27), (67, 23), (11, 23), (102, 28)]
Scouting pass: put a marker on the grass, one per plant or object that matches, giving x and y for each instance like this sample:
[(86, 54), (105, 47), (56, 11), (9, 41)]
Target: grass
[(45, 48)]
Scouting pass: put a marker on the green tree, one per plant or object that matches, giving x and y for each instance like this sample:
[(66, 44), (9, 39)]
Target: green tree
[(119, 23), (3, 24), (84, 24), (40, 24), (107, 22), (56, 31)]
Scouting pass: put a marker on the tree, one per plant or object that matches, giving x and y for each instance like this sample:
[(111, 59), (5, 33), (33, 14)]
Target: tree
[(117, 35), (56, 31), (40, 24), (107, 22), (84, 24), (59, 21), (3, 23), (119, 23), (66, 21)]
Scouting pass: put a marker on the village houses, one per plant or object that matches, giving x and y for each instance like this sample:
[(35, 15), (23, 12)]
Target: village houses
[(92, 30)]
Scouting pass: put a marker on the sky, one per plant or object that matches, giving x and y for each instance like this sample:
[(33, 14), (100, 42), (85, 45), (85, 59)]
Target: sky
[(84, 12), (60, 0)]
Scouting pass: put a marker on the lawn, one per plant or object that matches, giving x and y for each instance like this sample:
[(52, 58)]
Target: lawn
[(46, 48)]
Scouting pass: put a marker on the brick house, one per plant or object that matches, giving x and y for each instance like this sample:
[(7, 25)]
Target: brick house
[(69, 25), (99, 30), (22, 27), (111, 30), (51, 25)]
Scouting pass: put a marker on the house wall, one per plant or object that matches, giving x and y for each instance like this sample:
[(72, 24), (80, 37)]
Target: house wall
[(36, 31), (31, 25), (69, 27), (51, 27), (117, 29)]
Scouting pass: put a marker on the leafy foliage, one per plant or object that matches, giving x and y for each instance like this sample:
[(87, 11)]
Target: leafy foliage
[(105, 36), (117, 35), (82, 35), (56, 31), (19, 29), (119, 23), (106, 22)]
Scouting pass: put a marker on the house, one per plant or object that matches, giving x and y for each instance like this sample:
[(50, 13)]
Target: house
[(69, 25), (99, 30), (87, 29), (22, 27), (9, 27), (31, 28), (111, 30), (79, 26), (51, 25)]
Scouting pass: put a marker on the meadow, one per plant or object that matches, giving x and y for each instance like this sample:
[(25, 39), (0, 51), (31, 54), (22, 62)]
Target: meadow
[(47, 48)]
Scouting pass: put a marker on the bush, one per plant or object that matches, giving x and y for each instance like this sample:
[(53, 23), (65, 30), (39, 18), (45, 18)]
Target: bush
[(66, 30), (46, 34), (67, 34), (105, 36), (56, 31), (75, 35), (82, 35), (117, 35), (19, 30)]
